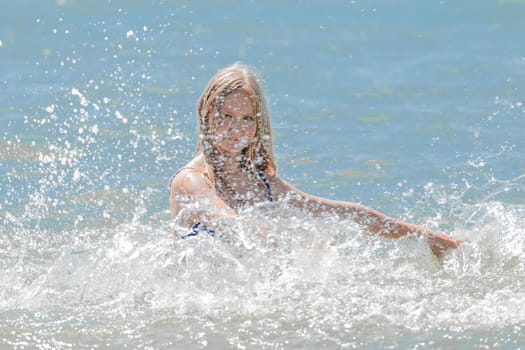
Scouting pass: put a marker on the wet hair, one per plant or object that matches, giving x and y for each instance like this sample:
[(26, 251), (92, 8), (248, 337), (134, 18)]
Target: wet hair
[(258, 155)]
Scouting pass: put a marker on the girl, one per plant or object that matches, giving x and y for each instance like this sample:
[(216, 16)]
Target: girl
[(234, 165)]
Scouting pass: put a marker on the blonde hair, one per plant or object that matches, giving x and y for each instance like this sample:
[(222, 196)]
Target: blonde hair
[(258, 155)]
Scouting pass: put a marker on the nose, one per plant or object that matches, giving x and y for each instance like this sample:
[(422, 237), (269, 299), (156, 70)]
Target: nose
[(233, 128)]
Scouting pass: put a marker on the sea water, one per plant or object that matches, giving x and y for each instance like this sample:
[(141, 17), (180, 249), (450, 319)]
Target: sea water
[(414, 108)]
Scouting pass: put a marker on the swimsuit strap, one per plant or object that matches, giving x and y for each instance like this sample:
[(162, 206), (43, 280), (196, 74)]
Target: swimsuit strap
[(198, 227), (267, 184)]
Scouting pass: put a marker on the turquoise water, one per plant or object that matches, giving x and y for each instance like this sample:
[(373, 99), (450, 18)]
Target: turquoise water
[(414, 108)]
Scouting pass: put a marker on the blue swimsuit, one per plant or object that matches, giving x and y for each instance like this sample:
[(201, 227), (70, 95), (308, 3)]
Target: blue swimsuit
[(197, 226)]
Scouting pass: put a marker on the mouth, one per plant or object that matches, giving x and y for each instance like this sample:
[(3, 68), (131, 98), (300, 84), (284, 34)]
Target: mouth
[(232, 142), (238, 141)]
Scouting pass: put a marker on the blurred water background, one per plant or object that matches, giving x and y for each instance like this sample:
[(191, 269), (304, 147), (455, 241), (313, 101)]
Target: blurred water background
[(414, 108)]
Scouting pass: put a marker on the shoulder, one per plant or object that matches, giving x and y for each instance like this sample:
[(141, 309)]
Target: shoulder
[(191, 180), (283, 189), (280, 187)]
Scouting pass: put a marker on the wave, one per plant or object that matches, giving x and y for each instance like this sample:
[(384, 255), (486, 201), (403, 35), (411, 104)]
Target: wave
[(288, 269)]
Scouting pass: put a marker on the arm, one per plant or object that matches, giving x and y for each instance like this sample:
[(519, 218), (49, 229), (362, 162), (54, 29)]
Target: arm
[(193, 185), (376, 222)]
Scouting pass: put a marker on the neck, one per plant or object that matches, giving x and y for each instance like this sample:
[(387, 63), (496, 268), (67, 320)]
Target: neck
[(230, 166)]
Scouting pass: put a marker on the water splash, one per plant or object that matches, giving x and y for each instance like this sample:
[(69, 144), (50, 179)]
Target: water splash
[(244, 282)]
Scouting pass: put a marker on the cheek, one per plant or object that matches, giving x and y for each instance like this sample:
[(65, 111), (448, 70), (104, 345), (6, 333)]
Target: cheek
[(251, 130), (220, 130)]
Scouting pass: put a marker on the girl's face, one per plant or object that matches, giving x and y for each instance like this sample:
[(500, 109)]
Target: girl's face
[(235, 123)]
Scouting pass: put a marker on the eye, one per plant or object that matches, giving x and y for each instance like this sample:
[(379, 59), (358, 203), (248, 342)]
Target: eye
[(223, 118), (248, 119)]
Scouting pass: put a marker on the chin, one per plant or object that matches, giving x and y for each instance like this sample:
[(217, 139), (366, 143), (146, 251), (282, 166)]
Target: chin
[(232, 152)]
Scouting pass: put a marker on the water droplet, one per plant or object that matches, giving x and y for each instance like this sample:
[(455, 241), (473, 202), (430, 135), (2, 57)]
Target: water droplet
[(76, 175)]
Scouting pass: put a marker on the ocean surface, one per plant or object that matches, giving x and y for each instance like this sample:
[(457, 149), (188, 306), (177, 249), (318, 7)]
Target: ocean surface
[(414, 108)]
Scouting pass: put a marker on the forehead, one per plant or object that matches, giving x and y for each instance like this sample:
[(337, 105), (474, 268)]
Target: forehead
[(238, 101)]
